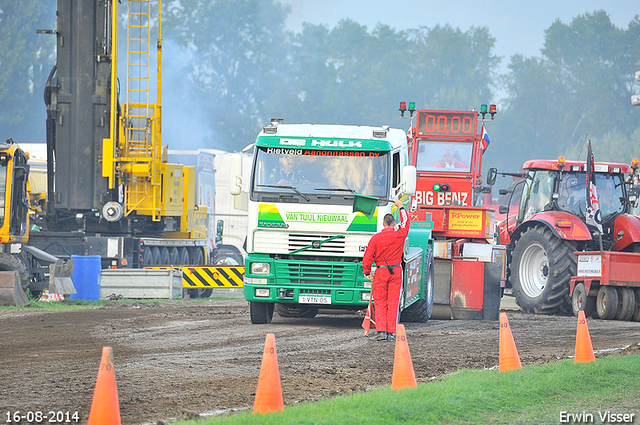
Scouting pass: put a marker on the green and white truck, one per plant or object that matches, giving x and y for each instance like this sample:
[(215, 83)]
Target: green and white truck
[(305, 243)]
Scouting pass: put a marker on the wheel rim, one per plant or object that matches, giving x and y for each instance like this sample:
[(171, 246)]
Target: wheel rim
[(534, 270), (578, 298)]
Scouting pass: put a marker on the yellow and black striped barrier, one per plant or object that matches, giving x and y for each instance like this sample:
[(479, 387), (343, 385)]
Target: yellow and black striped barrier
[(212, 276), (209, 276)]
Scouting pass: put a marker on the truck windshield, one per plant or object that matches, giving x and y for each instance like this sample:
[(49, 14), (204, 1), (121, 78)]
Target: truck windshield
[(444, 156), (321, 172), (573, 194)]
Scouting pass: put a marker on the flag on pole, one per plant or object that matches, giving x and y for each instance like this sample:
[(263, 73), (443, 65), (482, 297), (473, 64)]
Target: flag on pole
[(593, 206), (484, 138)]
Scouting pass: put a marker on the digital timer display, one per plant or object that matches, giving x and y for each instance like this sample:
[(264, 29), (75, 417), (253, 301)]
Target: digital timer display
[(447, 124)]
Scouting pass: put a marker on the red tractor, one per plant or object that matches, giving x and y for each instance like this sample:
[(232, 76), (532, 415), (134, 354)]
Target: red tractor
[(550, 228)]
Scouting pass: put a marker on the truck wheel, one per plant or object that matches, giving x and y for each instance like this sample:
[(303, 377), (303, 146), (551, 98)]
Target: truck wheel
[(174, 256), (261, 313), (147, 256), (581, 301), (626, 304), (10, 263), (165, 257), (420, 311), (200, 292), (157, 257), (636, 311), (541, 269), (297, 310), (607, 302), (184, 257)]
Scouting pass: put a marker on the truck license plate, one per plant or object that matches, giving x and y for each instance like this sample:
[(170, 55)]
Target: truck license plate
[(305, 299)]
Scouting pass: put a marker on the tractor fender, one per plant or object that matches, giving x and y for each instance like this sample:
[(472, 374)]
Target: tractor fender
[(630, 225), (577, 231)]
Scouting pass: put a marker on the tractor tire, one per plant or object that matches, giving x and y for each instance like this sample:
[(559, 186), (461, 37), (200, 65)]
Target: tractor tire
[(607, 302), (296, 310), (581, 301), (420, 311), (9, 263), (626, 304), (541, 269), (261, 313)]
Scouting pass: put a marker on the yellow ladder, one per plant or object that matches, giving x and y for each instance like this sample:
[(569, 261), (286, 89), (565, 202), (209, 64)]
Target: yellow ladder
[(141, 153)]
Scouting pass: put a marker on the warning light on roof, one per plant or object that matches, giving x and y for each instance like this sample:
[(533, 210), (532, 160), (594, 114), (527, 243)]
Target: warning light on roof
[(403, 108), (483, 108), (634, 163), (561, 161)]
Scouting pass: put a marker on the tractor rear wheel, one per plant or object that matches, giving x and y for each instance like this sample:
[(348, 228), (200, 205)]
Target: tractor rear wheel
[(541, 269)]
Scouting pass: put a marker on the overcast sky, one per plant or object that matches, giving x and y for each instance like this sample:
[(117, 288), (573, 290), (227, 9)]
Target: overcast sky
[(518, 26)]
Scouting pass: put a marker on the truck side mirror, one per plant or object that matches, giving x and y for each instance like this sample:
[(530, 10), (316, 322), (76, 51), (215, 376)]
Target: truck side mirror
[(491, 176), (503, 191), (219, 230), (409, 180), (503, 209), (235, 173)]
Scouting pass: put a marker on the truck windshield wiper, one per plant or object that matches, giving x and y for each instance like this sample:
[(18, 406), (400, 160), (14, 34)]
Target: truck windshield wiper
[(336, 189), (277, 186)]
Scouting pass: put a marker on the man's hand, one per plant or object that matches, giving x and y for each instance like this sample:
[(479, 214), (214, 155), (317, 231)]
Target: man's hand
[(369, 276), (398, 203)]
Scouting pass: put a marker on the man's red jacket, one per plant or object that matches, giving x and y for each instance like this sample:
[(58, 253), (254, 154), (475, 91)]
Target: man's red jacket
[(385, 247)]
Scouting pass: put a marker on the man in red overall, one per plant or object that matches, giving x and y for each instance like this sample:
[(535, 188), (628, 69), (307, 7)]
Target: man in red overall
[(385, 249)]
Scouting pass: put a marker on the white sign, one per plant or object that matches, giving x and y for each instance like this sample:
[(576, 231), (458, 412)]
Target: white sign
[(589, 265)]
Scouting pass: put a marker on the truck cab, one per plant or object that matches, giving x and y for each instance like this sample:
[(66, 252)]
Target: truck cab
[(305, 241)]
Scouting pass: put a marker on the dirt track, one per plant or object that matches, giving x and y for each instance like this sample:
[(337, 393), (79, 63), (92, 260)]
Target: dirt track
[(176, 358)]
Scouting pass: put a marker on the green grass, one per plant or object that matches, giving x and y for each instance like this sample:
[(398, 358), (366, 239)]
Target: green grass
[(535, 394)]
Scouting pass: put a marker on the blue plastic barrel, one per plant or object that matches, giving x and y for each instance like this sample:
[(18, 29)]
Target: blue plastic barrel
[(86, 277)]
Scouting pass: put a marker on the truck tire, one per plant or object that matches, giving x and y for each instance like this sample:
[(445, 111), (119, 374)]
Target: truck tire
[(420, 311), (200, 292), (296, 310), (541, 269), (581, 301), (626, 304), (9, 263), (636, 311), (607, 302), (261, 313)]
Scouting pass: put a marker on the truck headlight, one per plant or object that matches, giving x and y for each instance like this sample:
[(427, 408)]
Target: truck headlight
[(365, 296), (260, 268), (262, 292)]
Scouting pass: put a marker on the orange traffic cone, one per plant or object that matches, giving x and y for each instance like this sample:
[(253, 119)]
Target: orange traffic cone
[(269, 392), (105, 409), (403, 375), (369, 318), (584, 349), (509, 358)]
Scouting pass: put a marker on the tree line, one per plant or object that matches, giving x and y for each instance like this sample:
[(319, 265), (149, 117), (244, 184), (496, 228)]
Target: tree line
[(246, 68)]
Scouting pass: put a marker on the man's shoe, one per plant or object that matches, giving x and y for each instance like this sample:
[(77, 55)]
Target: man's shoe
[(382, 336), (390, 337)]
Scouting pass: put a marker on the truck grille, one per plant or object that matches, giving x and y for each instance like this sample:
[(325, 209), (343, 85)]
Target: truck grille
[(279, 242), (314, 273)]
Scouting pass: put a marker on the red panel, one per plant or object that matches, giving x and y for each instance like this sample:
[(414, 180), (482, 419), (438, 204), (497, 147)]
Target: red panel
[(467, 284)]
